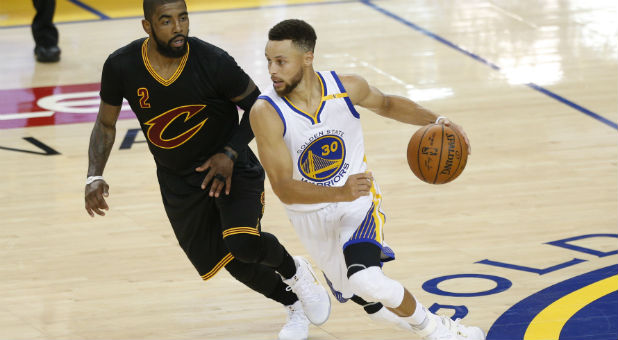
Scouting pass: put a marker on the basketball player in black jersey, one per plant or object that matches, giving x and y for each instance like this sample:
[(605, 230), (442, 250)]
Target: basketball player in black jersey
[(185, 94)]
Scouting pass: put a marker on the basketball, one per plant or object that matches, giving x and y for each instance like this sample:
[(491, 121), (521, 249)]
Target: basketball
[(437, 154)]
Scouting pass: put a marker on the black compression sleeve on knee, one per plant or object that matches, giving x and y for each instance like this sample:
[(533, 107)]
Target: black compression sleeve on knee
[(262, 279), (369, 307), (276, 256), (245, 247), (359, 256)]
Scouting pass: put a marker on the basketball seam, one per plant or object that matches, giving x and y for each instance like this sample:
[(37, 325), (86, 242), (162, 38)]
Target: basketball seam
[(440, 159), (418, 155), (460, 155)]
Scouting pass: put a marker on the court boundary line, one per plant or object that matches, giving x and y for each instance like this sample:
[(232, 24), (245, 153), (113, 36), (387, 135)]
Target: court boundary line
[(89, 9), (476, 57), (368, 3), (104, 17)]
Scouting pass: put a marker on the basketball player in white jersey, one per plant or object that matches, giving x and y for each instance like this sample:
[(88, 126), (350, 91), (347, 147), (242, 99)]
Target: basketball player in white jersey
[(310, 142)]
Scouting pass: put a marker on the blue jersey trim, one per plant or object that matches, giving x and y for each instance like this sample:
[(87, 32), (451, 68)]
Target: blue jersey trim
[(297, 110), (268, 99), (362, 240), (347, 99), (324, 94), (316, 119)]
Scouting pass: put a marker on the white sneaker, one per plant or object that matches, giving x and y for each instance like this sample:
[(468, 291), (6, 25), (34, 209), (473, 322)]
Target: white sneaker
[(313, 297), (463, 332), (443, 328), (297, 325), (386, 316)]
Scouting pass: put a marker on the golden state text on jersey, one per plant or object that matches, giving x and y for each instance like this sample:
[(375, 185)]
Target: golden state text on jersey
[(326, 146)]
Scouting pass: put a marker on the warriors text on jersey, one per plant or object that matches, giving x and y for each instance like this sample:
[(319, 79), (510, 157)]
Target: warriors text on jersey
[(326, 146), (186, 118)]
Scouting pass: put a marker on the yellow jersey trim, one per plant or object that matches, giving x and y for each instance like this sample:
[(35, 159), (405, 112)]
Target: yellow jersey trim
[(335, 96), (154, 74), (313, 117)]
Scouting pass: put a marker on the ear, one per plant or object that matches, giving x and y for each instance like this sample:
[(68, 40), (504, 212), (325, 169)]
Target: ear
[(308, 58), (146, 26)]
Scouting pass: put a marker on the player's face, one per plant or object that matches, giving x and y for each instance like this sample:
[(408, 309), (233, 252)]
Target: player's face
[(170, 28), (285, 65)]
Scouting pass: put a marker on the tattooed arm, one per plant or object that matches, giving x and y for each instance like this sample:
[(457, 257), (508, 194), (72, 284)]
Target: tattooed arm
[(101, 142)]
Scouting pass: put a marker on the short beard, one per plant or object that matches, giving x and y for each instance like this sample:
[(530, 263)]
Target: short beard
[(293, 83), (167, 50)]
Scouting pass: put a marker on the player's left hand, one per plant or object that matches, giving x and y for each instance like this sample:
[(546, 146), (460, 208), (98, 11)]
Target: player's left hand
[(447, 122), (220, 168)]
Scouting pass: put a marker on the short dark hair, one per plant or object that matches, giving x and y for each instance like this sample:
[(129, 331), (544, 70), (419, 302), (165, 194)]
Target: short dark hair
[(300, 32), (150, 6)]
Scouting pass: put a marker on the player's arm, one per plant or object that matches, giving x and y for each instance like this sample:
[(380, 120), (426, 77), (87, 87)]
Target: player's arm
[(222, 163), (275, 158), (103, 135), (395, 107), (101, 142), (237, 86), (243, 134)]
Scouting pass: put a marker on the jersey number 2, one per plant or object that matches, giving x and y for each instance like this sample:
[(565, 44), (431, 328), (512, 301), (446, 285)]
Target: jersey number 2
[(142, 92)]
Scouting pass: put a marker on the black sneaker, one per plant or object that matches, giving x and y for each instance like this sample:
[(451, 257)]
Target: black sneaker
[(49, 54)]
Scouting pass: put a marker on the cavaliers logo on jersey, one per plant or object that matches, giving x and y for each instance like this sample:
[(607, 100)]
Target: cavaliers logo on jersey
[(322, 159), (159, 124)]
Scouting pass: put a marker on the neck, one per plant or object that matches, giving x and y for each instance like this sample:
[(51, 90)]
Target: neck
[(156, 57), (308, 89)]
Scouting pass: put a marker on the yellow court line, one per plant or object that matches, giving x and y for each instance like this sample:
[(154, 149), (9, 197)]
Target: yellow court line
[(549, 322), (21, 12)]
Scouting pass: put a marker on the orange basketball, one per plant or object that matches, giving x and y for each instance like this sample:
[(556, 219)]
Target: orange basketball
[(437, 154)]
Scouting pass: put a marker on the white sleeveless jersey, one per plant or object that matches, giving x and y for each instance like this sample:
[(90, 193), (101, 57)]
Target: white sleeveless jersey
[(326, 146)]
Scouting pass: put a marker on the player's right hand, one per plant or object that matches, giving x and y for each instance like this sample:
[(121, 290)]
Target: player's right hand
[(95, 197), (447, 122), (357, 185)]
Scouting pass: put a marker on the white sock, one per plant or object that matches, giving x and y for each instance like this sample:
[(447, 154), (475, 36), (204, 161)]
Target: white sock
[(419, 315)]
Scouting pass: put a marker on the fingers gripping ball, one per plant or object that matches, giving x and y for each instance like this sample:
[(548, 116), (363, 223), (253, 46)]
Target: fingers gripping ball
[(437, 153)]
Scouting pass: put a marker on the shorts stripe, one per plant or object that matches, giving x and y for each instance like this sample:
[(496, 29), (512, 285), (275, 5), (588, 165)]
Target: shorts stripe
[(224, 261), (240, 230), (371, 228)]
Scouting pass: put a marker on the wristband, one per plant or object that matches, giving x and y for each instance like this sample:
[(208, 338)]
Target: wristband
[(438, 119), (91, 179), (230, 154)]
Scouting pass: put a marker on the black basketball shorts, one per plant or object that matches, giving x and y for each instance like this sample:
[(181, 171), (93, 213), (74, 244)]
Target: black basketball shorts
[(200, 222)]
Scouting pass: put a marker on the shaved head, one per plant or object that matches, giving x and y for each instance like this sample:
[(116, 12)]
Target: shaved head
[(150, 6)]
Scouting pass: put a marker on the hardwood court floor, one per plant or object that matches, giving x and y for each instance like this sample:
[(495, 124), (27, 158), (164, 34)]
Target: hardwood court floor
[(534, 83)]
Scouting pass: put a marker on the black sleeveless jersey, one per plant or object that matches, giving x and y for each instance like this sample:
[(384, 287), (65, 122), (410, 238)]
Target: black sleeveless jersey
[(186, 118)]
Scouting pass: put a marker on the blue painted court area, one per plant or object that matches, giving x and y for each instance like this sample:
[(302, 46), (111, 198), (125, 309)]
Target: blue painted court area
[(597, 320)]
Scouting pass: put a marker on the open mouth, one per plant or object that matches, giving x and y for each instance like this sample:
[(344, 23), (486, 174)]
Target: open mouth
[(178, 42)]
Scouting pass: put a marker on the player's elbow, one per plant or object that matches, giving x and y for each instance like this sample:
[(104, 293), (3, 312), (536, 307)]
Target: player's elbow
[(386, 106), (279, 188)]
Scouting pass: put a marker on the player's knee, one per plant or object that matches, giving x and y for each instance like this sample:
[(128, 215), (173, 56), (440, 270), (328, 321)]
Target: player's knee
[(244, 247), (241, 271), (372, 285)]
